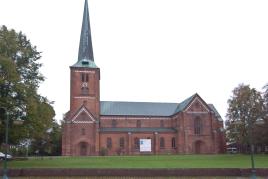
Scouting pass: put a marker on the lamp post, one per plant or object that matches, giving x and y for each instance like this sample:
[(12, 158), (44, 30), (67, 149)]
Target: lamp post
[(253, 170), (6, 142)]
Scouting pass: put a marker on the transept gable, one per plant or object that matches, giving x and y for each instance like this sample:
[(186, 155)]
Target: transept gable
[(197, 105), (83, 116)]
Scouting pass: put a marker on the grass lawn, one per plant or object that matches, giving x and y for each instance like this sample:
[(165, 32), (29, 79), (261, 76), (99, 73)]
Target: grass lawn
[(150, 161)]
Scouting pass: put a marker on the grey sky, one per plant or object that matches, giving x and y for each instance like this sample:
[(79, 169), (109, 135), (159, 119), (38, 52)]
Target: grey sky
[(149, 50)]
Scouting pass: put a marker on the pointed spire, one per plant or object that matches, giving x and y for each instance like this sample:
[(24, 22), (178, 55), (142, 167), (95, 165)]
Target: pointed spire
[(85, 47)]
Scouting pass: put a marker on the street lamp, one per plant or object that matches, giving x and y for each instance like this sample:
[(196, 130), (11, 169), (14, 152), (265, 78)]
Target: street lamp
[(253, 170), (6, 141)]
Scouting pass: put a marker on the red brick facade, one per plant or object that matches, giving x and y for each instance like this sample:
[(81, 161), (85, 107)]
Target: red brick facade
[(195, 129)]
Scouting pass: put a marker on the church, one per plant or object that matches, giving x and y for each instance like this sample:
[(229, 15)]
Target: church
[(94, 127)]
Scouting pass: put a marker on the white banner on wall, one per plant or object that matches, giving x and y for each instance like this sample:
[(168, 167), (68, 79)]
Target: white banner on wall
[(145, 145)]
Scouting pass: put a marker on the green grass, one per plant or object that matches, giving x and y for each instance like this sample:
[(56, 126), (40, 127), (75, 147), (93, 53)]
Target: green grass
[(152, 161)]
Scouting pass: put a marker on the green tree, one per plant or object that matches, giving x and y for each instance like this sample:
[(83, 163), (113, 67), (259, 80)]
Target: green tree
[(265, 95), (245, 108), (19, 81), (49, 143)]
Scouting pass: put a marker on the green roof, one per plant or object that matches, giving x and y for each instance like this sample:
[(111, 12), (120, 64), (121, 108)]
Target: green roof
[(119, 108), (85, 63), (142, 129), (137, 108), (181, 106)]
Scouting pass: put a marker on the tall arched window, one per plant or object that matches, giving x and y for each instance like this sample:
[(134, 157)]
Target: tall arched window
[(136, 143), (197, 126), (162, 142), (173, 142), (122, 142)]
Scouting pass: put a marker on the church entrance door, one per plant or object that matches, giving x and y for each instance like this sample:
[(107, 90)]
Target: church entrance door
[(83, 148), (198, 147)]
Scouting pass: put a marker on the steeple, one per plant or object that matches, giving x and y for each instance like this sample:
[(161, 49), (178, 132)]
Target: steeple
[(85, 54)]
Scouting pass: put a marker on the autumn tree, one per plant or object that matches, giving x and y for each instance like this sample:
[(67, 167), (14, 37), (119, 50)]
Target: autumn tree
[(246, 107), (19, 82)]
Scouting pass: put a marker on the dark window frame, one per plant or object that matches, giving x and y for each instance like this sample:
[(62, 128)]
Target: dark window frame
[(136, 143), (122, 142), (173, 142), (162, 143), (197, 126), (84, 77)]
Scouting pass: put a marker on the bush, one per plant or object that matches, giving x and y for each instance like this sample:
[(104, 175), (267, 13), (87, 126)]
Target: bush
[(103, 151)]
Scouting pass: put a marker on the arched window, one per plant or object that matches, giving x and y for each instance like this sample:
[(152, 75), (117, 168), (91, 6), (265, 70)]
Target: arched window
[(136, 143), (84, 90), (122, 142), (109, 143), (197, 126), (173, 142), (162, 142)]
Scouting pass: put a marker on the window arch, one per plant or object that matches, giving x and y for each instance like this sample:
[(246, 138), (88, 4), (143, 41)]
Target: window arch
[(197, 126)]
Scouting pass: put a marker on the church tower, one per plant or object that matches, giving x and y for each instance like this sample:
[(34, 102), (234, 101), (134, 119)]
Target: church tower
[(80, 133)]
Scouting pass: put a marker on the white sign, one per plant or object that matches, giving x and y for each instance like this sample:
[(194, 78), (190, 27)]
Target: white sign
[(145, 145)]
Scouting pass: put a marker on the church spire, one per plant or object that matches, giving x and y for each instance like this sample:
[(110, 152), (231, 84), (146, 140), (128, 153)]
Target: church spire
[(85, 46)]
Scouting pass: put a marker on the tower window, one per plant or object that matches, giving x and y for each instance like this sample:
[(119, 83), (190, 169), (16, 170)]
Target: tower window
[(162, 142), (197, 126), (84, 77), (84, 90)]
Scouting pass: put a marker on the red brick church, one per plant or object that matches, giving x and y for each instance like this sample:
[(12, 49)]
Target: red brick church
[(94, 127)]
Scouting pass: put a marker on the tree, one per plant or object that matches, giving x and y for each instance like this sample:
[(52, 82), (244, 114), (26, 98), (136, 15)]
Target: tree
[(265, 95), (19, 82), (49, 143), (245, 108)]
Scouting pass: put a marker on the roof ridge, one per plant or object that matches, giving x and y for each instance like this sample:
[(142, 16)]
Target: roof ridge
[(141, 102)]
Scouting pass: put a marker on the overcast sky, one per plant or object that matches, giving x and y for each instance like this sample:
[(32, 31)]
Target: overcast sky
[(149, 50)]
